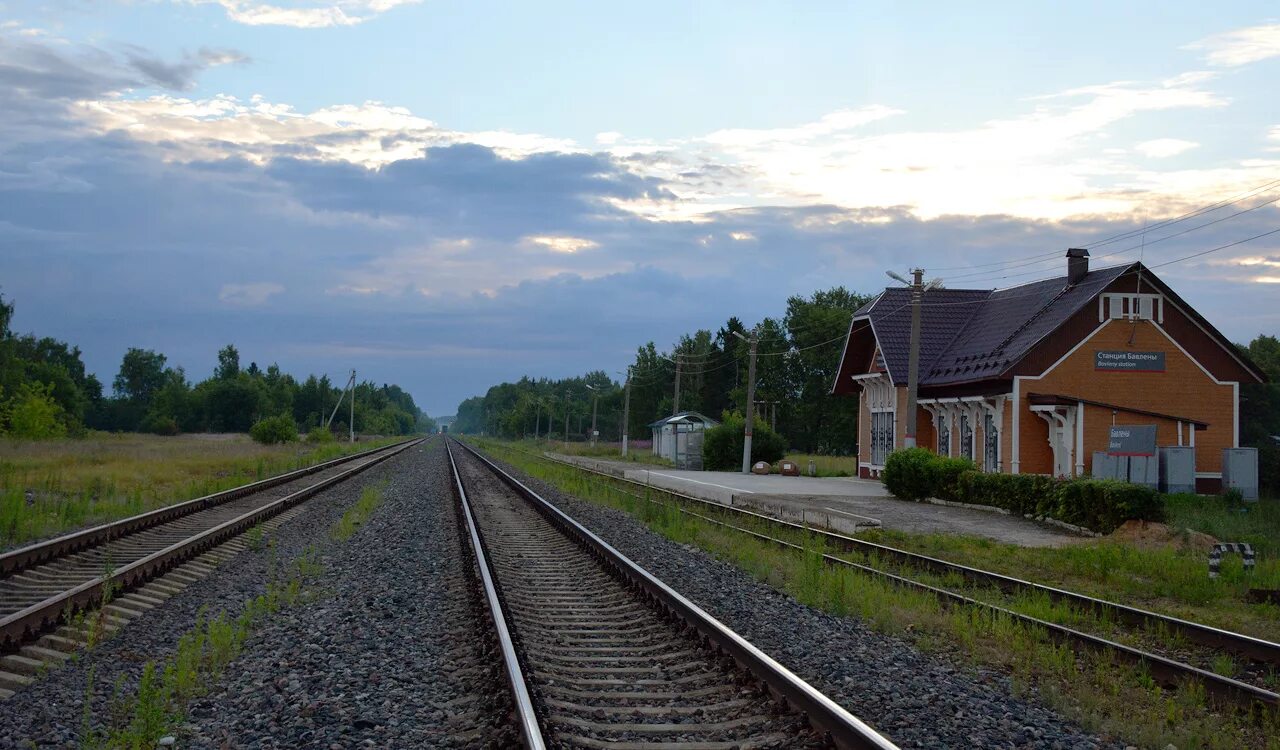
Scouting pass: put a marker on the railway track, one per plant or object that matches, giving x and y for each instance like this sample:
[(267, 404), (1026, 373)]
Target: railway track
[(1168, 665), (598, 652), (46, 585)]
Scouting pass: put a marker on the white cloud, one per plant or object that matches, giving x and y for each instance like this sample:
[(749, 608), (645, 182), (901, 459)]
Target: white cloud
[(563, 244), (829, 124), (742, 236), (1241, 46), (1267, 279), (306, 15), (1162, 148), (252, 294), (372, 133), (608, 138)]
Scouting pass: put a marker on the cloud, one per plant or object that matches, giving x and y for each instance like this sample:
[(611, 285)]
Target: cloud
[(253, 294), (1162, 148), (306, 15), (564, 244), (1241, 46)]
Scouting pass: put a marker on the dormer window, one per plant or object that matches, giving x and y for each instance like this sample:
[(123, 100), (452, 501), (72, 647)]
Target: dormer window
[(1131, 307)]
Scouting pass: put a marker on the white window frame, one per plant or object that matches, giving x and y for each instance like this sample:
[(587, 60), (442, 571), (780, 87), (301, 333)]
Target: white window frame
[(1127, 306)]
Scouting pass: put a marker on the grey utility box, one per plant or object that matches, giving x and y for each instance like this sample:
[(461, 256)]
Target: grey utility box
[(1136, 469), (1240, 470), (1143, 470), (1106, 466), (1177, 469)]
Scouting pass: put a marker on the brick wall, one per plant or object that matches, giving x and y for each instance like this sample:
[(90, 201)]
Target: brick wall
[(1182, 390)]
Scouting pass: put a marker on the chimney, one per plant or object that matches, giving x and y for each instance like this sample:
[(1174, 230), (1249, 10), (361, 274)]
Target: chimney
[(1077, 265)]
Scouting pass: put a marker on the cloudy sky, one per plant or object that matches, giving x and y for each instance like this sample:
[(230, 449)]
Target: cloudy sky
[(448, 194)]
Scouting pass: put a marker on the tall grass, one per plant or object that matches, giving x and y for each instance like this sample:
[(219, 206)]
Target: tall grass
[(1256, 523), (825, 466), (51, 487)]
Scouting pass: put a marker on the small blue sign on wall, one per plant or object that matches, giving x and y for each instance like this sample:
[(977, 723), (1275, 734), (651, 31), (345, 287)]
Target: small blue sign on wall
[(1132, 440)]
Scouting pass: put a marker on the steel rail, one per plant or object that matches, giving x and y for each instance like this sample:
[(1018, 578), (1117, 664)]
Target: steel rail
[(526, 717), (1248, 646), (844, 729), (24, 624), (1167, 671), (19, 559)]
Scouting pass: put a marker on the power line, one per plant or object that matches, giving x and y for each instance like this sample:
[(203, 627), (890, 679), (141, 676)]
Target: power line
[(1042, 258)]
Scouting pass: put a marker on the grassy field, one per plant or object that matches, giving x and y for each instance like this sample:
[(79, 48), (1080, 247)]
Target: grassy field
[(1256, 523), (49, 487), (826, 466), (1102, 695), (612, 451)]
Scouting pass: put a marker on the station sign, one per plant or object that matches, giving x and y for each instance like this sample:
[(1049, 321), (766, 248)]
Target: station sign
[(1127, 361), (1132, 440)]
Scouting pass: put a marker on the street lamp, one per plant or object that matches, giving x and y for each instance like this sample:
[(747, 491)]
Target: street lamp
[(626, 411)]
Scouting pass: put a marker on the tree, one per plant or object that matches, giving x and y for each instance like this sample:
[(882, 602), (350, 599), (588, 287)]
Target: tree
[(228, 363), (141, 375)]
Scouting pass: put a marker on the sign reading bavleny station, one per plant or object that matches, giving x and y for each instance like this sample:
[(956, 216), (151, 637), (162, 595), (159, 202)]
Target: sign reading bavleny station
[(1132, 440), (1129, 361)]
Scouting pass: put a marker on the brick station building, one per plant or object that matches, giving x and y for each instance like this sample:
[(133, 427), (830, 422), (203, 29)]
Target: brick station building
[(1030, 379)]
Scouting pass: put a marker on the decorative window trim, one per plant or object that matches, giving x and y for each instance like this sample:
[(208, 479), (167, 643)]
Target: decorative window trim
[(1126, 306)]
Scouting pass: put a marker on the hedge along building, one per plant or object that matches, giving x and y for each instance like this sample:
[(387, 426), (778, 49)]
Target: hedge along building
[(1030, 379)]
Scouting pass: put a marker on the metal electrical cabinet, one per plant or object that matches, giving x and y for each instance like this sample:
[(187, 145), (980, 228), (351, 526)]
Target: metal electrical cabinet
[(1177, 469), (1240, 471)]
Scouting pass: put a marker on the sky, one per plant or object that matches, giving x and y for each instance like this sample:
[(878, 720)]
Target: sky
[(446, 195)]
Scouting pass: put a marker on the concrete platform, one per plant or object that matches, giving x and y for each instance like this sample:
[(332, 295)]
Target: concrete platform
[(843, 504)]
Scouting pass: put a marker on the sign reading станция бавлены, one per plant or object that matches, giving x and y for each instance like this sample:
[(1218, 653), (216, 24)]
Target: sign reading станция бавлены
[(1129, 361)]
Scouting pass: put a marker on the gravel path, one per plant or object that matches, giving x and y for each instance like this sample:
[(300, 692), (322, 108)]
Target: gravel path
[(49, 713), (916, 699), (398, 656)]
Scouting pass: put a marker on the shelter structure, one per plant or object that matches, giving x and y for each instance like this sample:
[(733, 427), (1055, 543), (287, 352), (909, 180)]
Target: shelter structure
[(1030, 379), (679, 438)]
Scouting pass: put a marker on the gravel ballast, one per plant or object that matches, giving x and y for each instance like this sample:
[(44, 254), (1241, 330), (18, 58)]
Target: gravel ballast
[(398, 655), (915, 699), (271, 695)]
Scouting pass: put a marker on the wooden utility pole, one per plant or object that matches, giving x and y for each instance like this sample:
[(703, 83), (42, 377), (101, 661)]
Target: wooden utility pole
[(751, 398), (626, 413), (675, 405), (913, 362)]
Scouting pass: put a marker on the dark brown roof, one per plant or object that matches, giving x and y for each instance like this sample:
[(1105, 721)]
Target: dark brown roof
[(969, 334)]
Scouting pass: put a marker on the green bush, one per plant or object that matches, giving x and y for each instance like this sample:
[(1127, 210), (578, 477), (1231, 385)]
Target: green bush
[(1024, 494), (946, 476), (320, 434), (159, 424), (1098, 504), (274, 430), (911, 474), (722, 444), (34, 414)]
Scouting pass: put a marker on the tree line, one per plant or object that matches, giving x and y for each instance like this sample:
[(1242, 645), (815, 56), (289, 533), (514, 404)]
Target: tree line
[(45, 392), (798, 355)]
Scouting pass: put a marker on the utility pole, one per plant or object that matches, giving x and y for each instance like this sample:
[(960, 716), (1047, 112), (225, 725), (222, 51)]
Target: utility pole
[(626, 413), (675, 405), (595, 400), (566, 420), (352, 423), (913, 362), (751, 397), (537, 420)]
